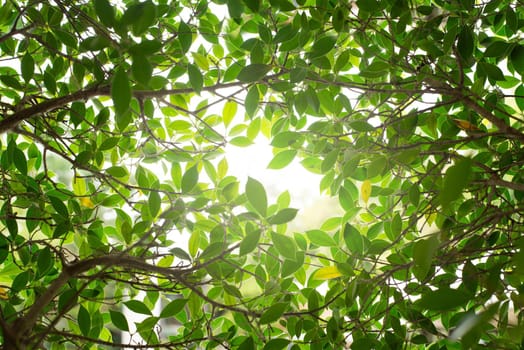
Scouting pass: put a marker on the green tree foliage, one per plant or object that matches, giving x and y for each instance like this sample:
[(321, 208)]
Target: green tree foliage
[(115, 193)]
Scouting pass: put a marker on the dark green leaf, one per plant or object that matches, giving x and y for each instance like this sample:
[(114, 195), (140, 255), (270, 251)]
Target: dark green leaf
[(195, 78), (142, 69), (44, 262), (173, 308), (253, 72), (273, 313), (517, 59), (84, 320), (59, 206), (322, 46), (252, 100), (466, 43), (276, 344), (27, 67), (138, 307), (121, 91), (119, 320), (443, 299), (105, 12)]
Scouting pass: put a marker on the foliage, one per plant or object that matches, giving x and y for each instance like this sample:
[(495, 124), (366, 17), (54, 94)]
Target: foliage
[(116, 195)]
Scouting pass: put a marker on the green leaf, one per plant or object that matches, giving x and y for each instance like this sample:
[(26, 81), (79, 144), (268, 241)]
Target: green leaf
[(253, 72), (241, 141), (194, 243), (456, 179), (354, 240), (322, 46), (138, 307), (105, 12), (273, 313), (44, 262), (517, 59), (371, 6), (466, 43), (320, 238), (59, 206), (119, 320), (108, 143), (195, 78), (190, 179), (142, 69), (185, 36), (154, 203), (283, 216), (117, 171), (84, 320), (27, 66), (519, 99), (173, 308), (228, 112), (282, 159), (276, 344), (121, 91), (252, 101), (250, 242), (285, 245), (256, 195), (443, 299), (20, 161), (253, 5), (423, 252)]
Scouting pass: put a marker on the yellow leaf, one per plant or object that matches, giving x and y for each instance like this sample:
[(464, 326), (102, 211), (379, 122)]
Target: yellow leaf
[(365, 191), (87, 202), (465, 125), (3, 294), (327, 273)]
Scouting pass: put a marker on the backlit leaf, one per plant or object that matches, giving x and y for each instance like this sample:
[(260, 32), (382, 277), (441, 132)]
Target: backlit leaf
[(327, 273), (256, 195), (121, 91), (365, 191)]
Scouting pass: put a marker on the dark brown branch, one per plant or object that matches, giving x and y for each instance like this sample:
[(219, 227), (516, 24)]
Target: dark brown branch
[(14, 119)]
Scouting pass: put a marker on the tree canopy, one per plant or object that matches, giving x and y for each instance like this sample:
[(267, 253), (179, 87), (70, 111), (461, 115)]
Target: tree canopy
[(116, 196)]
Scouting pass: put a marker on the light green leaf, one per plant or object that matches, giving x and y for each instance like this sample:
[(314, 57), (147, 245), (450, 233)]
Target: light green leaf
[(256, 195), (285, 245), (250, 242), (282, 159), (354, 240), (154, 203), (190, 179), (252, 100), (283, 216), (320, 238)]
